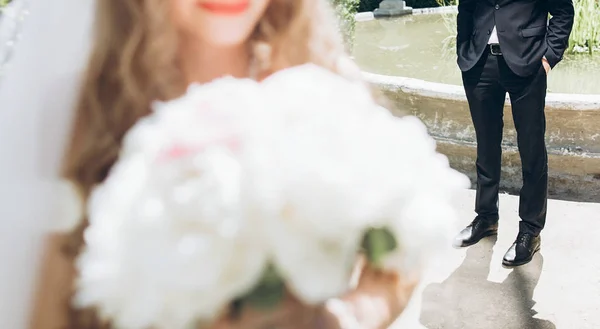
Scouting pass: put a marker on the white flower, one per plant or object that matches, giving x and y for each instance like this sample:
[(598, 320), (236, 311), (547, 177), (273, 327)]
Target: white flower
[(424, 220), (213, 186), (324, 215), (173, 236), (348, 165)]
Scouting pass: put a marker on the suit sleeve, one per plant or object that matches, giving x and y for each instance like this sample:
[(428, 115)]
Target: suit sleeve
[(559, 29), (464, 20)]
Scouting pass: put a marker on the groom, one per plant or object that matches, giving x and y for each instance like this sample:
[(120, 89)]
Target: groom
[(510, 46)]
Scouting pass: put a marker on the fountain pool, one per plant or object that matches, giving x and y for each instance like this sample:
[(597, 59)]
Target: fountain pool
[(406, 59)]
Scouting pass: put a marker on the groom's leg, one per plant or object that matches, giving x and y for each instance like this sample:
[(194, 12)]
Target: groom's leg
[(486, 98), (528, 96)]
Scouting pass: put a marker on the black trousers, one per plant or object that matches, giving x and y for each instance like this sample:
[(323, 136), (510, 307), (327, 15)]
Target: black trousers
[(486, 86)]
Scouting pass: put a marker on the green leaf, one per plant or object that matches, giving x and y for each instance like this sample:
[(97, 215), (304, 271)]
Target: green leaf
[(346, 11), (377, 243), (268, 293)]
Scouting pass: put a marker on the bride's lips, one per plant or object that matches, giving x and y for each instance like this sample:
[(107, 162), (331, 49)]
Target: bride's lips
[(217, 7)]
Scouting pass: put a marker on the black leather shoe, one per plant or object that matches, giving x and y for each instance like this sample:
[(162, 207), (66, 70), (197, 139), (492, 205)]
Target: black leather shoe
[(523, 250), (477, 230)]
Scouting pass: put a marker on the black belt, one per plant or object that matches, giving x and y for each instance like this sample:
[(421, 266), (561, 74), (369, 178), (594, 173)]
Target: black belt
[(495, 49)]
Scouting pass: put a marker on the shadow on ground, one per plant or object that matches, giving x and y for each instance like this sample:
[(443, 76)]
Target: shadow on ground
[(467, 300)]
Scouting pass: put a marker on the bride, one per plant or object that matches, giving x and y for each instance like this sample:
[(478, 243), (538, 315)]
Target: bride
[(142, 51)]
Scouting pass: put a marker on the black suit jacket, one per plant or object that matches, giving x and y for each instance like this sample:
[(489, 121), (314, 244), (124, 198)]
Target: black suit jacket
[(524, 31)]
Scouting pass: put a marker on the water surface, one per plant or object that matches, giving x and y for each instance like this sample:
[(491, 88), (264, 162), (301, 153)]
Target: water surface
[(413, 46)]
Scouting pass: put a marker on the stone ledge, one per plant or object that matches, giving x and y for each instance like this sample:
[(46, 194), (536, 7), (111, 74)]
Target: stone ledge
[(570, 177), (435, 10), (364, 16), (572, 136), (369, 15), (576, 102), (567, 131)]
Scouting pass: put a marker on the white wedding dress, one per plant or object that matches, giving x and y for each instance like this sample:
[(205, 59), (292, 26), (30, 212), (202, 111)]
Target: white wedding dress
[(38, 86)]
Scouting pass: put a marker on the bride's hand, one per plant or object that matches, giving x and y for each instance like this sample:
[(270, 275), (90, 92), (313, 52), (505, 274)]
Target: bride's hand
[(378, 299), (290, 314)]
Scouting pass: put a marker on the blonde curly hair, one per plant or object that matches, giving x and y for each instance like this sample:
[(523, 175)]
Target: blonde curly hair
[(134, 62)]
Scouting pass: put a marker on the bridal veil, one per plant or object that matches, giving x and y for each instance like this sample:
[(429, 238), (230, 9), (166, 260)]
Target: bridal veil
[(38, 88)]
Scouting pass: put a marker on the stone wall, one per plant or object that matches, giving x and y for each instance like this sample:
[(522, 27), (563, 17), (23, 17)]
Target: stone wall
[(573, 134)]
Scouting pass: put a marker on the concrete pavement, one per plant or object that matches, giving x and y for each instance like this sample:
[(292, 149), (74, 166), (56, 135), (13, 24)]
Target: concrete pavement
[(469, 288)]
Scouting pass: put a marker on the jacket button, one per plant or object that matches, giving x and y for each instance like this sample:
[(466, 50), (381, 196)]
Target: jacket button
[(497, 7), (489, 32)]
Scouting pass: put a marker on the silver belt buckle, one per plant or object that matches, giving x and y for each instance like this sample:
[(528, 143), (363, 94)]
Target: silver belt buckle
[(495, 49)]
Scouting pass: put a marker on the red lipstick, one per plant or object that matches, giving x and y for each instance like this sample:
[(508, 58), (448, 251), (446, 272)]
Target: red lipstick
[(220, 8)]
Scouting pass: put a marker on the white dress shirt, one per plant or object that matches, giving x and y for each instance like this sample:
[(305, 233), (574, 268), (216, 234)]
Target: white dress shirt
[(493, 37)]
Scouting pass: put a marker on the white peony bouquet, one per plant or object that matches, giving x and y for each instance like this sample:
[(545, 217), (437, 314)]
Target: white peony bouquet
[(240, 190)]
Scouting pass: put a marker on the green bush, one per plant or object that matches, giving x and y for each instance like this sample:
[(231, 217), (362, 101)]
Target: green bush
[(585, 36), (346, 11)]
